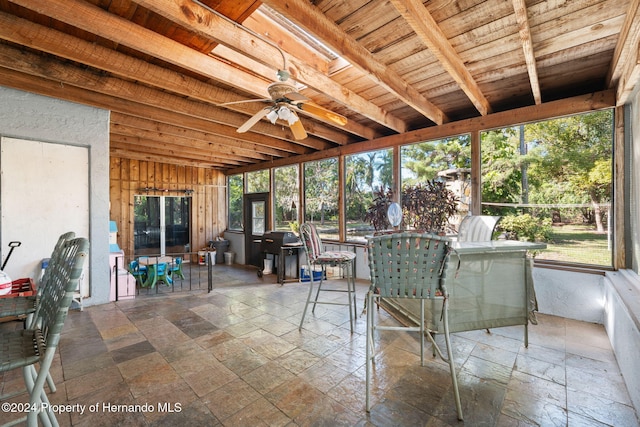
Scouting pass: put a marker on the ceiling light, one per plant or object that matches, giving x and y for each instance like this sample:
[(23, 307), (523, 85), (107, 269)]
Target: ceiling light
[(282, 113)]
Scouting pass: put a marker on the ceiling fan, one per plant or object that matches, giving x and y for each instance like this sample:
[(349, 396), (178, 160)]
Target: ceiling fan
[(283, 105)]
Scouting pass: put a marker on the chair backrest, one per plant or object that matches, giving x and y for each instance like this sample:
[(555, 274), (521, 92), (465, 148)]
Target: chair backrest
[(311, 240), (65, 269), (408, 265), (45, 276), (477, 228)]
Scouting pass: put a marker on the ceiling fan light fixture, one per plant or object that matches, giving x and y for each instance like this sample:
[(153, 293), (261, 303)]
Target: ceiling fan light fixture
[(287, 115), (282, 113), (272, 116)]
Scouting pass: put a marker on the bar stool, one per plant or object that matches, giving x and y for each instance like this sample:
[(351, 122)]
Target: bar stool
[(317, 256)]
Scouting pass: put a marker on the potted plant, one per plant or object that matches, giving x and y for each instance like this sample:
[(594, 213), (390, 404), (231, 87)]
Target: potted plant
[(426, 207)]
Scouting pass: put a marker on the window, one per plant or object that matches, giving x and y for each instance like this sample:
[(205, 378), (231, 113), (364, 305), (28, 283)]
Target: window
[(365, 173), (286, 202), (258, 181), (552, 181), (321, 197), (235, 192), (447, 160), (161, 225)]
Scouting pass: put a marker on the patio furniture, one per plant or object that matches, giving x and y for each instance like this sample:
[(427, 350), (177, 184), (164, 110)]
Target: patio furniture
[(477, 228), (23, 306), (37, 345), (175, 268), (410, 266), (500, 295), (138, 271), (317, 256), (157, 270)]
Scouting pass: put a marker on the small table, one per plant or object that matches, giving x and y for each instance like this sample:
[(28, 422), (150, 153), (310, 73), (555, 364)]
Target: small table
[(152, 262)]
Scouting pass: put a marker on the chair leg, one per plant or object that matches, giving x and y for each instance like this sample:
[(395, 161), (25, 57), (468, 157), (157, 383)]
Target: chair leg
[(422, 332), (452, 368), (351, 294), (323, 272), (369, 350), (306, 304)]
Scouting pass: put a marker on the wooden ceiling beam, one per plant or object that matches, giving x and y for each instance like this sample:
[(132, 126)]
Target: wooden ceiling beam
[(123, 152), (553, 109), (203, 138), (11, 78), (315, 22), (426, 27), (207, 23), (623, 72), (88, 17), (68, 74), (520, 8), (21, 31), (171, 146), (189, 146), (60, 44)]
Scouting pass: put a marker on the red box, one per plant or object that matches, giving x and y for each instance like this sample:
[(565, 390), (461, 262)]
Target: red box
[(21, 288)]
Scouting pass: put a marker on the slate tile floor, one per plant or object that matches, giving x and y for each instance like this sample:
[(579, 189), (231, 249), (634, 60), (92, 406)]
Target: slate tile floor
[(235, 357)]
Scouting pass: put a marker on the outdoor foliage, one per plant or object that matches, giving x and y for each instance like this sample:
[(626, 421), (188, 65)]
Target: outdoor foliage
[(425, 207), (377, 213), (525, 228)]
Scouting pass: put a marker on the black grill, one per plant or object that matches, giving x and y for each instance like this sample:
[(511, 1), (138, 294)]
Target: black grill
[(272, 241)]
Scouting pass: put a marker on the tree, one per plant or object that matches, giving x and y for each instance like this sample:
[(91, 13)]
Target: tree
[(321, 188), (501, 168), (426, 159), (575, 150)]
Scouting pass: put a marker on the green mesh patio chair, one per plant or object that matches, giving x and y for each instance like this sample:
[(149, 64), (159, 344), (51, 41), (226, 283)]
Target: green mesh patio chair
[(25, 306), (37, 345), (410, 265), (317, 256)]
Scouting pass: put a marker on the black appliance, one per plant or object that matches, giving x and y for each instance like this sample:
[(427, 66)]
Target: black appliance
[(273, 242)]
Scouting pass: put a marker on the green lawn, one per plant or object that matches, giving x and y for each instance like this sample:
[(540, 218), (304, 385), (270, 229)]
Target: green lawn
[(577, 243)]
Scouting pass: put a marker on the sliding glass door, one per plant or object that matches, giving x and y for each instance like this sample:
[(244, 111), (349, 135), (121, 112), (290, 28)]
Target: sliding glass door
[(161, 225)]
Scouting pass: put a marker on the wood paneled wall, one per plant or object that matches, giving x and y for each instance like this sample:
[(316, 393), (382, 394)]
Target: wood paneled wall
[(129, 178)]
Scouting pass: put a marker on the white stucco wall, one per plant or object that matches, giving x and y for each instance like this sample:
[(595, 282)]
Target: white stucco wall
[(570, 294), (28, 116)]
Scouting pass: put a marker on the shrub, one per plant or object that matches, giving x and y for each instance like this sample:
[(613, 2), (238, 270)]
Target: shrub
[(526, 228)]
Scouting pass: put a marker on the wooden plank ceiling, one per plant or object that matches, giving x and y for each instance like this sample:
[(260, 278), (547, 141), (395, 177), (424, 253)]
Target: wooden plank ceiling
[(163, 67)]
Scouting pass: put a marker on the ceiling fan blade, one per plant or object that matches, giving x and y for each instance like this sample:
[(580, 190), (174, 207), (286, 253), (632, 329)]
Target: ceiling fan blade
[(298, 130), (253, 120), (243, 102), (319, 111), (297, 97)]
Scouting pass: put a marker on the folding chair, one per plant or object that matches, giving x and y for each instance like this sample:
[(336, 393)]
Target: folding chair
[(317, 256), (25, 348), (410, 265)]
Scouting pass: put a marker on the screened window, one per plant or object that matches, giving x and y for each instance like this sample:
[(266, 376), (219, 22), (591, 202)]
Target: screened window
[(258, 181), (365, 173), (321, 197), (551, 181), (447, 160), (235, 191), (286, 193)]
